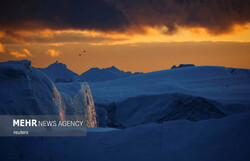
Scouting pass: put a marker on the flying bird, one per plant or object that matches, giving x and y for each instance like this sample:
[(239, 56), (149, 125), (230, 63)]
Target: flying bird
[(81, 53)]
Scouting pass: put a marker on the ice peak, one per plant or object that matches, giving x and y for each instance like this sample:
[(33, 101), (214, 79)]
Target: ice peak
[(57, 65), (112, 68), (183, 66)]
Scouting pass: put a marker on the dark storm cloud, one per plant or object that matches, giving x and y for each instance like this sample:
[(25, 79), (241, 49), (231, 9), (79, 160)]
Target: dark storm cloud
[(60, 14), (218, 16)]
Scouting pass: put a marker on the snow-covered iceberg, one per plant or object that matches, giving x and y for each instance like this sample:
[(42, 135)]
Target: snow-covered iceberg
[(27, 91), (104, 74), (227, 85), (161, 108), (58, 72)]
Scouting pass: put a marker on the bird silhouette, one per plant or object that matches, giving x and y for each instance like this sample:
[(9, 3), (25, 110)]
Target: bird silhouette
[(81, 53)]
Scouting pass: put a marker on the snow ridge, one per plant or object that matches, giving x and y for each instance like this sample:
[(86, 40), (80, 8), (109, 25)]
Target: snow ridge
[(104, 74), (58, 72)]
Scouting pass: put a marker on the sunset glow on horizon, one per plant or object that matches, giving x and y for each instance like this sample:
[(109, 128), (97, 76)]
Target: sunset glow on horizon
[(143, 43)]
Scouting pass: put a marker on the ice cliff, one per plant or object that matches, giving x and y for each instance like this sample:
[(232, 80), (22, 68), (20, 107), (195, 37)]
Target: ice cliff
[(25, 90)]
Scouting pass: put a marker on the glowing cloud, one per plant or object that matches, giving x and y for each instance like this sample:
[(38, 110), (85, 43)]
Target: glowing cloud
[(27, 52), (147, 34), (53, 52), (1, 48), (24, 53)]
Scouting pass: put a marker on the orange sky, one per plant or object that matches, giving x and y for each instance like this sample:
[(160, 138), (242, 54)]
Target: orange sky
[(134, 51)]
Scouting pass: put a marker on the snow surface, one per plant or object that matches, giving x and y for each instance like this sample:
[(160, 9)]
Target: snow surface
[(165, 107), (220, 132), (101, 129), (218, 83), (225, 139)]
